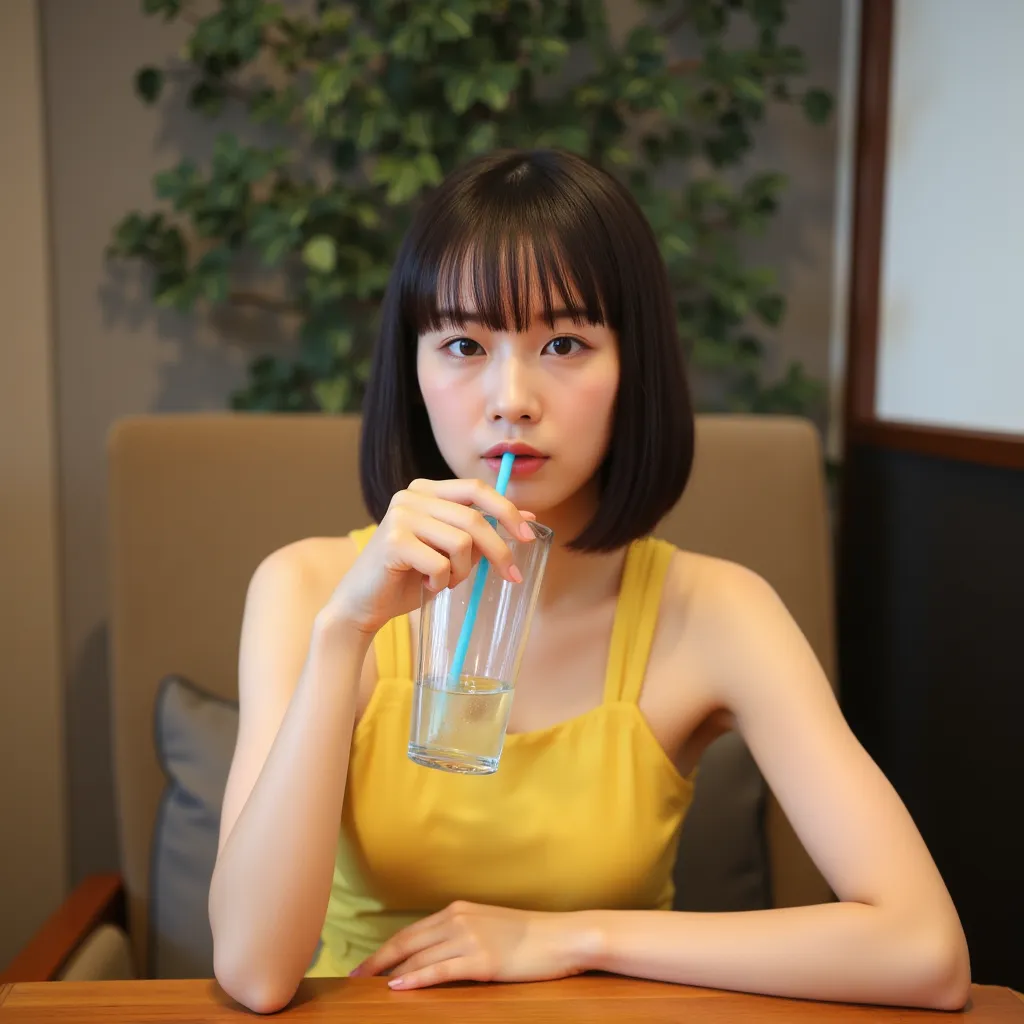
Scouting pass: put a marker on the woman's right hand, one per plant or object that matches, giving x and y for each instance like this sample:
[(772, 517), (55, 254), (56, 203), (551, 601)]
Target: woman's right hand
[(430, 536)]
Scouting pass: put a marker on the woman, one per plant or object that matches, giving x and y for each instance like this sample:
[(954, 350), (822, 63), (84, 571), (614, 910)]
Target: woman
[(529, 307)]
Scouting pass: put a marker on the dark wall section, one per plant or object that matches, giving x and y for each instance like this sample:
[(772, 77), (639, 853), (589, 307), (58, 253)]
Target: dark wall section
[(931, 651)]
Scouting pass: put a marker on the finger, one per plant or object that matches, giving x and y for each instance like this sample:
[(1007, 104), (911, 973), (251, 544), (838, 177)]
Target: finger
[(456, 544), (400, 947), (460, 968), (411, 553), (485, 539), (431, 955), (476, 492)]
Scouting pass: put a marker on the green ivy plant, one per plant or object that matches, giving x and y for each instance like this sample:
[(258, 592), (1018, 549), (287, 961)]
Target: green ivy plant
[(376, 100)]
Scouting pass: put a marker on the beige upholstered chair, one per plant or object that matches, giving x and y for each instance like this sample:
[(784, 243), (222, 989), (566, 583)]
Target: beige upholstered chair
[(197, 500)]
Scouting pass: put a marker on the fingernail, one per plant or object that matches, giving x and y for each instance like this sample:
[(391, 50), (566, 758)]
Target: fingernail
[(525, 532), (527, 515), (517, 576), (396, 983), (355, 972)]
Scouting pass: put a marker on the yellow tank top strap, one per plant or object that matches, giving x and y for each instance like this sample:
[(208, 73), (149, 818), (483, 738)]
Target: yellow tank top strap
[(636, 617), (391, 646)]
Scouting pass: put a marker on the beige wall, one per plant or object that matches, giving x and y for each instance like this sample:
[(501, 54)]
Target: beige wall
[(115, 357), (33, 865)]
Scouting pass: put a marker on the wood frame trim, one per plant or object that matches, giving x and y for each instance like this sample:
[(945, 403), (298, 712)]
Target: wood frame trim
[(871, 155), (1004, 451), (97, 900), (861, 423)]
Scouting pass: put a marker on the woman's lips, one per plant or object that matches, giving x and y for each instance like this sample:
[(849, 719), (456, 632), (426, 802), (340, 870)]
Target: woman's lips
[(524, 465)]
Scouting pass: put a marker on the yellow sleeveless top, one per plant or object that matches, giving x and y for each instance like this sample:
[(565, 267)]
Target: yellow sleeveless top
[(584, 814)]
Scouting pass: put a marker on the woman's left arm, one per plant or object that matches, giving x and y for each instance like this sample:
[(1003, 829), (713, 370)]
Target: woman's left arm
[(894, 936)]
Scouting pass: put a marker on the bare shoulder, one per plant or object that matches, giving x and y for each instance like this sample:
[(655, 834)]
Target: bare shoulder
[(286, 592), (304, 570), (707, 595)]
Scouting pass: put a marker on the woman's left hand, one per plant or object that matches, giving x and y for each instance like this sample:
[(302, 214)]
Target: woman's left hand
[(470, 942)]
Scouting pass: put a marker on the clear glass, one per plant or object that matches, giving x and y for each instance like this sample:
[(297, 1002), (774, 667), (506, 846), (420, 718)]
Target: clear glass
[(458, 725)]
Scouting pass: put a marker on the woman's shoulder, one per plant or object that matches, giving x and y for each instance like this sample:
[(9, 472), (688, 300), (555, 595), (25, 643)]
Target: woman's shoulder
[(310, 567), (707, 594)]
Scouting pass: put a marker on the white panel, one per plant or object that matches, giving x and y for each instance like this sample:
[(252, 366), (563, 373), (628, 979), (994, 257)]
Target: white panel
[(951, 347)]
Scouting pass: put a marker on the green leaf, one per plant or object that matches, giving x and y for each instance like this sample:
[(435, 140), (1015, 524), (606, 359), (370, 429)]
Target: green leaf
[(429, 169), (460, 90), (403, 186), (496, 90), (417, 130), (369, 131), (320, 254), (677, 246), (817, 105), (168, 8), (367, 215), (149, 83), (669, 104), (638, 88), (340, 340), (333, 394), (748, 89), (771, 309), (458, 24), (336, 20), (212, 274), (574, 138), (482, 138)]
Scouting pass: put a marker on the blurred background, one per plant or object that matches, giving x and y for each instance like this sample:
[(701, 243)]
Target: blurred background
[(199, 205)]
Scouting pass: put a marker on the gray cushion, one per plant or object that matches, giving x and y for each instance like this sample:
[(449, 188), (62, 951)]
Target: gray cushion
[(723, 861), (195, 741)]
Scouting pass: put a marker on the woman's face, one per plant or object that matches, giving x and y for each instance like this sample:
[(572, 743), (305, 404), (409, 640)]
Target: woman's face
[(548, 394)]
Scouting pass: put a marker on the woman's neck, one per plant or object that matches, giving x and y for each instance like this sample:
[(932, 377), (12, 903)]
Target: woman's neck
[(577, 578)]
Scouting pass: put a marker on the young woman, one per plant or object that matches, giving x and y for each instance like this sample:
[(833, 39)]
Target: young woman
[(529, 307)]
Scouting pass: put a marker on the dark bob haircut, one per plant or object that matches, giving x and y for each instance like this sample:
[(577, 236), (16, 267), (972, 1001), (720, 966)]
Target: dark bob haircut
[(589, 243)]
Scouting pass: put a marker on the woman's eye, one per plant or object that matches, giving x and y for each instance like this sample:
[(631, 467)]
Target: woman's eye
[(564, 346), (462, 347)]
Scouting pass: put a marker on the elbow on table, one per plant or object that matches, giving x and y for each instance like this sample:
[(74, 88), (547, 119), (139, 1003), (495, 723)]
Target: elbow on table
[(943, 969), (256, 990)]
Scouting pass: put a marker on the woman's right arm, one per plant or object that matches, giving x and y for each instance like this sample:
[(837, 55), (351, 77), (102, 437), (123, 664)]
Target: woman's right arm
[(299, 669)]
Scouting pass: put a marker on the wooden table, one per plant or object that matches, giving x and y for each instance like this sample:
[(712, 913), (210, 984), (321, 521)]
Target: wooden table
[(589, 999)]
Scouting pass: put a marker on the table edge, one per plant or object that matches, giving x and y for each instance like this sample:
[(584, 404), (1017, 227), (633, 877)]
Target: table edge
[(7, 988)]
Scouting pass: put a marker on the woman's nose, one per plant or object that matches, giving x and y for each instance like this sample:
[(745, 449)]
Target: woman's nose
[(512, 395)]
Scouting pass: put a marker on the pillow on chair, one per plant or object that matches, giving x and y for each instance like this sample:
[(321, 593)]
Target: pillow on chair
[(195, 741), (723, 862)]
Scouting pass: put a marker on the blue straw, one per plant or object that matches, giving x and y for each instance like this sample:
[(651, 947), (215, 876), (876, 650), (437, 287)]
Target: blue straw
[(459, 658)]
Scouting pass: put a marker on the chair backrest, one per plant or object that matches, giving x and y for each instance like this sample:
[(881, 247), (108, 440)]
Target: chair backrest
[(197, 500)]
